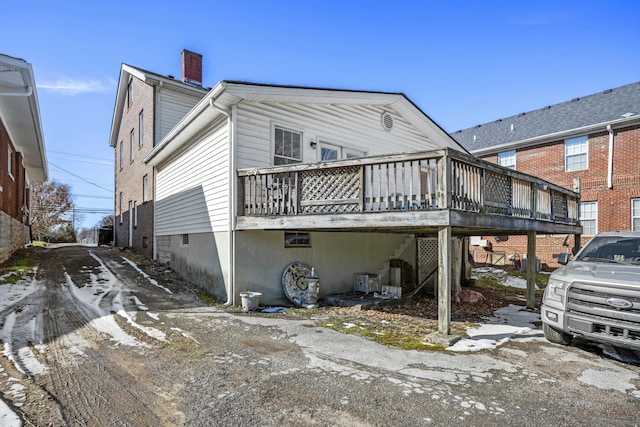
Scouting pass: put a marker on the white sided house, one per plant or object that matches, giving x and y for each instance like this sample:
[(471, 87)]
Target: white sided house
[(256, 177)]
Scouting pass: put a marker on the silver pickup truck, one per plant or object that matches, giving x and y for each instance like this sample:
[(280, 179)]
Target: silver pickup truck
[(597, 295)]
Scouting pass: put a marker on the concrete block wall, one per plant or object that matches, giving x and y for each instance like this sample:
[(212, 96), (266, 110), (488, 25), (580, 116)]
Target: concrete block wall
[(13, 235)]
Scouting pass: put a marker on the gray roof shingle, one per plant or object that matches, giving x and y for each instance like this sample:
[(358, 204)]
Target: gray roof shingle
[(601, 107)]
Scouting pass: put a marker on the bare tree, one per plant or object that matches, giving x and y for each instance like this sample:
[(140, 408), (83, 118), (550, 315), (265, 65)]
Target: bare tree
[(106, 222), (51, 203)]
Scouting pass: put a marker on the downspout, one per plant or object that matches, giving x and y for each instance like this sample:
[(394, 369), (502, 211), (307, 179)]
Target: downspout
[(610, 168), (232, 204)]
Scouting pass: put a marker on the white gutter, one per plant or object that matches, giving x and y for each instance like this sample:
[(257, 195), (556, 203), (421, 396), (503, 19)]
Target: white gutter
[(610, 165), (232, 191), (27, 92)]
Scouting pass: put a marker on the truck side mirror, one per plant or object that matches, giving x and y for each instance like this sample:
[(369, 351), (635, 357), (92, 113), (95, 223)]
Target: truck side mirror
[(563, 258)]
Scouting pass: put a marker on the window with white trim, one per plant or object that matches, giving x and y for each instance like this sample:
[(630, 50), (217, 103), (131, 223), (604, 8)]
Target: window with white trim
[(576, 153), (507, 159), (145, 188), (635, 214), (10, 162), (589, 218), (130, 93), (185, 240), (135, 213), (141, 128), (120, 207), (287, 147), (121, 154), (132, 142)]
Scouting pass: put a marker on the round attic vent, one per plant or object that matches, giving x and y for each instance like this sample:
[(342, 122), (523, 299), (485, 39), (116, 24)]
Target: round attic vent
[(387, 121)]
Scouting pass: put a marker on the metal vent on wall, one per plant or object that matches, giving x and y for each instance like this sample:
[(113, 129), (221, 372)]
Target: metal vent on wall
[(387, 121)]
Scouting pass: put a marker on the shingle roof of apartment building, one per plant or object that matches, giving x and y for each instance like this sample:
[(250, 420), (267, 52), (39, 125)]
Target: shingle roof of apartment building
[(577, 116)]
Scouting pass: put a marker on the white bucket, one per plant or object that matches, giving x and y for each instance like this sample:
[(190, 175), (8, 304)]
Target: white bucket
[(250, 300)]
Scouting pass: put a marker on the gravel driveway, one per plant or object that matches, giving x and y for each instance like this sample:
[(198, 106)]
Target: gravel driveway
[(102, 338)]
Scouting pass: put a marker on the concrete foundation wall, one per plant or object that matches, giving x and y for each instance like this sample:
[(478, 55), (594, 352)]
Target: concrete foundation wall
[(203, 261), (261, 259), (13, 235)]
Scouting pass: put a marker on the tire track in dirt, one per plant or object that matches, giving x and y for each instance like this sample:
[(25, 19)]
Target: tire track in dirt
[(92, 384)]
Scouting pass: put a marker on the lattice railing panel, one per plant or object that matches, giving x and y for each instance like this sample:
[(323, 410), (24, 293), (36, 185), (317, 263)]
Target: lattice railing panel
[(560, 209), (335, 190), (497, 193), (427, 256)]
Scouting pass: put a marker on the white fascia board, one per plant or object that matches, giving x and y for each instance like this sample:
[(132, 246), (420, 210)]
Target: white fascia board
[(550, 137), (118, 106), (25, 127)]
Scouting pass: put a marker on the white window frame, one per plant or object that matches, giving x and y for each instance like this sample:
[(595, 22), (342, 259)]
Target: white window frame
[(130, 93), (145, 188), (141, 128), (574, 147), (185, 240), (286, 160), (135, 214), (132, 144), (592, 213), (121, 154), (635, 214), (10, 162), (507, 159), (120, 207), (342, 151)]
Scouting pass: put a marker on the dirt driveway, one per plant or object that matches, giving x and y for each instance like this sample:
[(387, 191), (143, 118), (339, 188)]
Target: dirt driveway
[(102, 338)]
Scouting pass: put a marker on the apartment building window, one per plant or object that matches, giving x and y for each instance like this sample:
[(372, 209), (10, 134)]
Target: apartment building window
[(10, 162), (132, 140), (121, 154), (635, 214), (287, 147), (141, 128), (120, 207), (589, 218), (130, 93), (576, 153), (135, 214), (507, 159), (145, 188)]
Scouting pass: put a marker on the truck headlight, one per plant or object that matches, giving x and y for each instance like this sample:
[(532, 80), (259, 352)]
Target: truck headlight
[(556, 290)]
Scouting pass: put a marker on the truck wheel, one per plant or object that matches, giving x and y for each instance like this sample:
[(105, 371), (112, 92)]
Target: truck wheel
[(555, 336)]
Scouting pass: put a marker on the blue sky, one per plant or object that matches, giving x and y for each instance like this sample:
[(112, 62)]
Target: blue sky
[(462, 62)]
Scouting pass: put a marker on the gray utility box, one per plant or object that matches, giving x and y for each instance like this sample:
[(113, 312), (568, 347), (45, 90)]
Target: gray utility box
[(366, 282)]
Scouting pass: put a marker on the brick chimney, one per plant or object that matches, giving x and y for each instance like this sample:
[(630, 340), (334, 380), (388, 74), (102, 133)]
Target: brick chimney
[(191, 68)]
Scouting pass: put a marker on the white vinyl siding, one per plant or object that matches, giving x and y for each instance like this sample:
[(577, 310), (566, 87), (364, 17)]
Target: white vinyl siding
[(355, 127), (192, 191), (171, 108), (589, 218)]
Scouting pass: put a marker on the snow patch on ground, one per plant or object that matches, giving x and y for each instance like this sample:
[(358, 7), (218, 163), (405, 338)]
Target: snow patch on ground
[(154, 282), (507, 323)]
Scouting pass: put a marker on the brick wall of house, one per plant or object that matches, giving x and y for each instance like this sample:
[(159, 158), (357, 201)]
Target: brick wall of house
[(129, 173), (614, 205), (14, 229)]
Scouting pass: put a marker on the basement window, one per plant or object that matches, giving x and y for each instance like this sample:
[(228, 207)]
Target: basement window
[(185, 240), (297, 239)]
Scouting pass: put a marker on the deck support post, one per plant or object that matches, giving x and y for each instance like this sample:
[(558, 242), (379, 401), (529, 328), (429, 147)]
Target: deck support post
[(444, 280), (531, 270)]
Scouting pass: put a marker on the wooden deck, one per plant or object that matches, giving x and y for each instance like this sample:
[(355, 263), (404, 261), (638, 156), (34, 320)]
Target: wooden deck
[(407, 193)]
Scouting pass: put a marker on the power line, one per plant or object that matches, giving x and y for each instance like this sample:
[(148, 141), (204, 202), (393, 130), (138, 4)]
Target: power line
[(79, 177)]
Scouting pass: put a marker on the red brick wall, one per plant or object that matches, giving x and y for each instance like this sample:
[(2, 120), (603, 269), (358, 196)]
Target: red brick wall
[(12, 196), (614, 205)]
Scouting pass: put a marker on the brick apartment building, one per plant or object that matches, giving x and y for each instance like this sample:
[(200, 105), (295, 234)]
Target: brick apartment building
[(590, 143), (22, 151), (147, 106)]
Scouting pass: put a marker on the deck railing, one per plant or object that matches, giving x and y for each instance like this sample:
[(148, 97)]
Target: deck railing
[(443, 179)]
